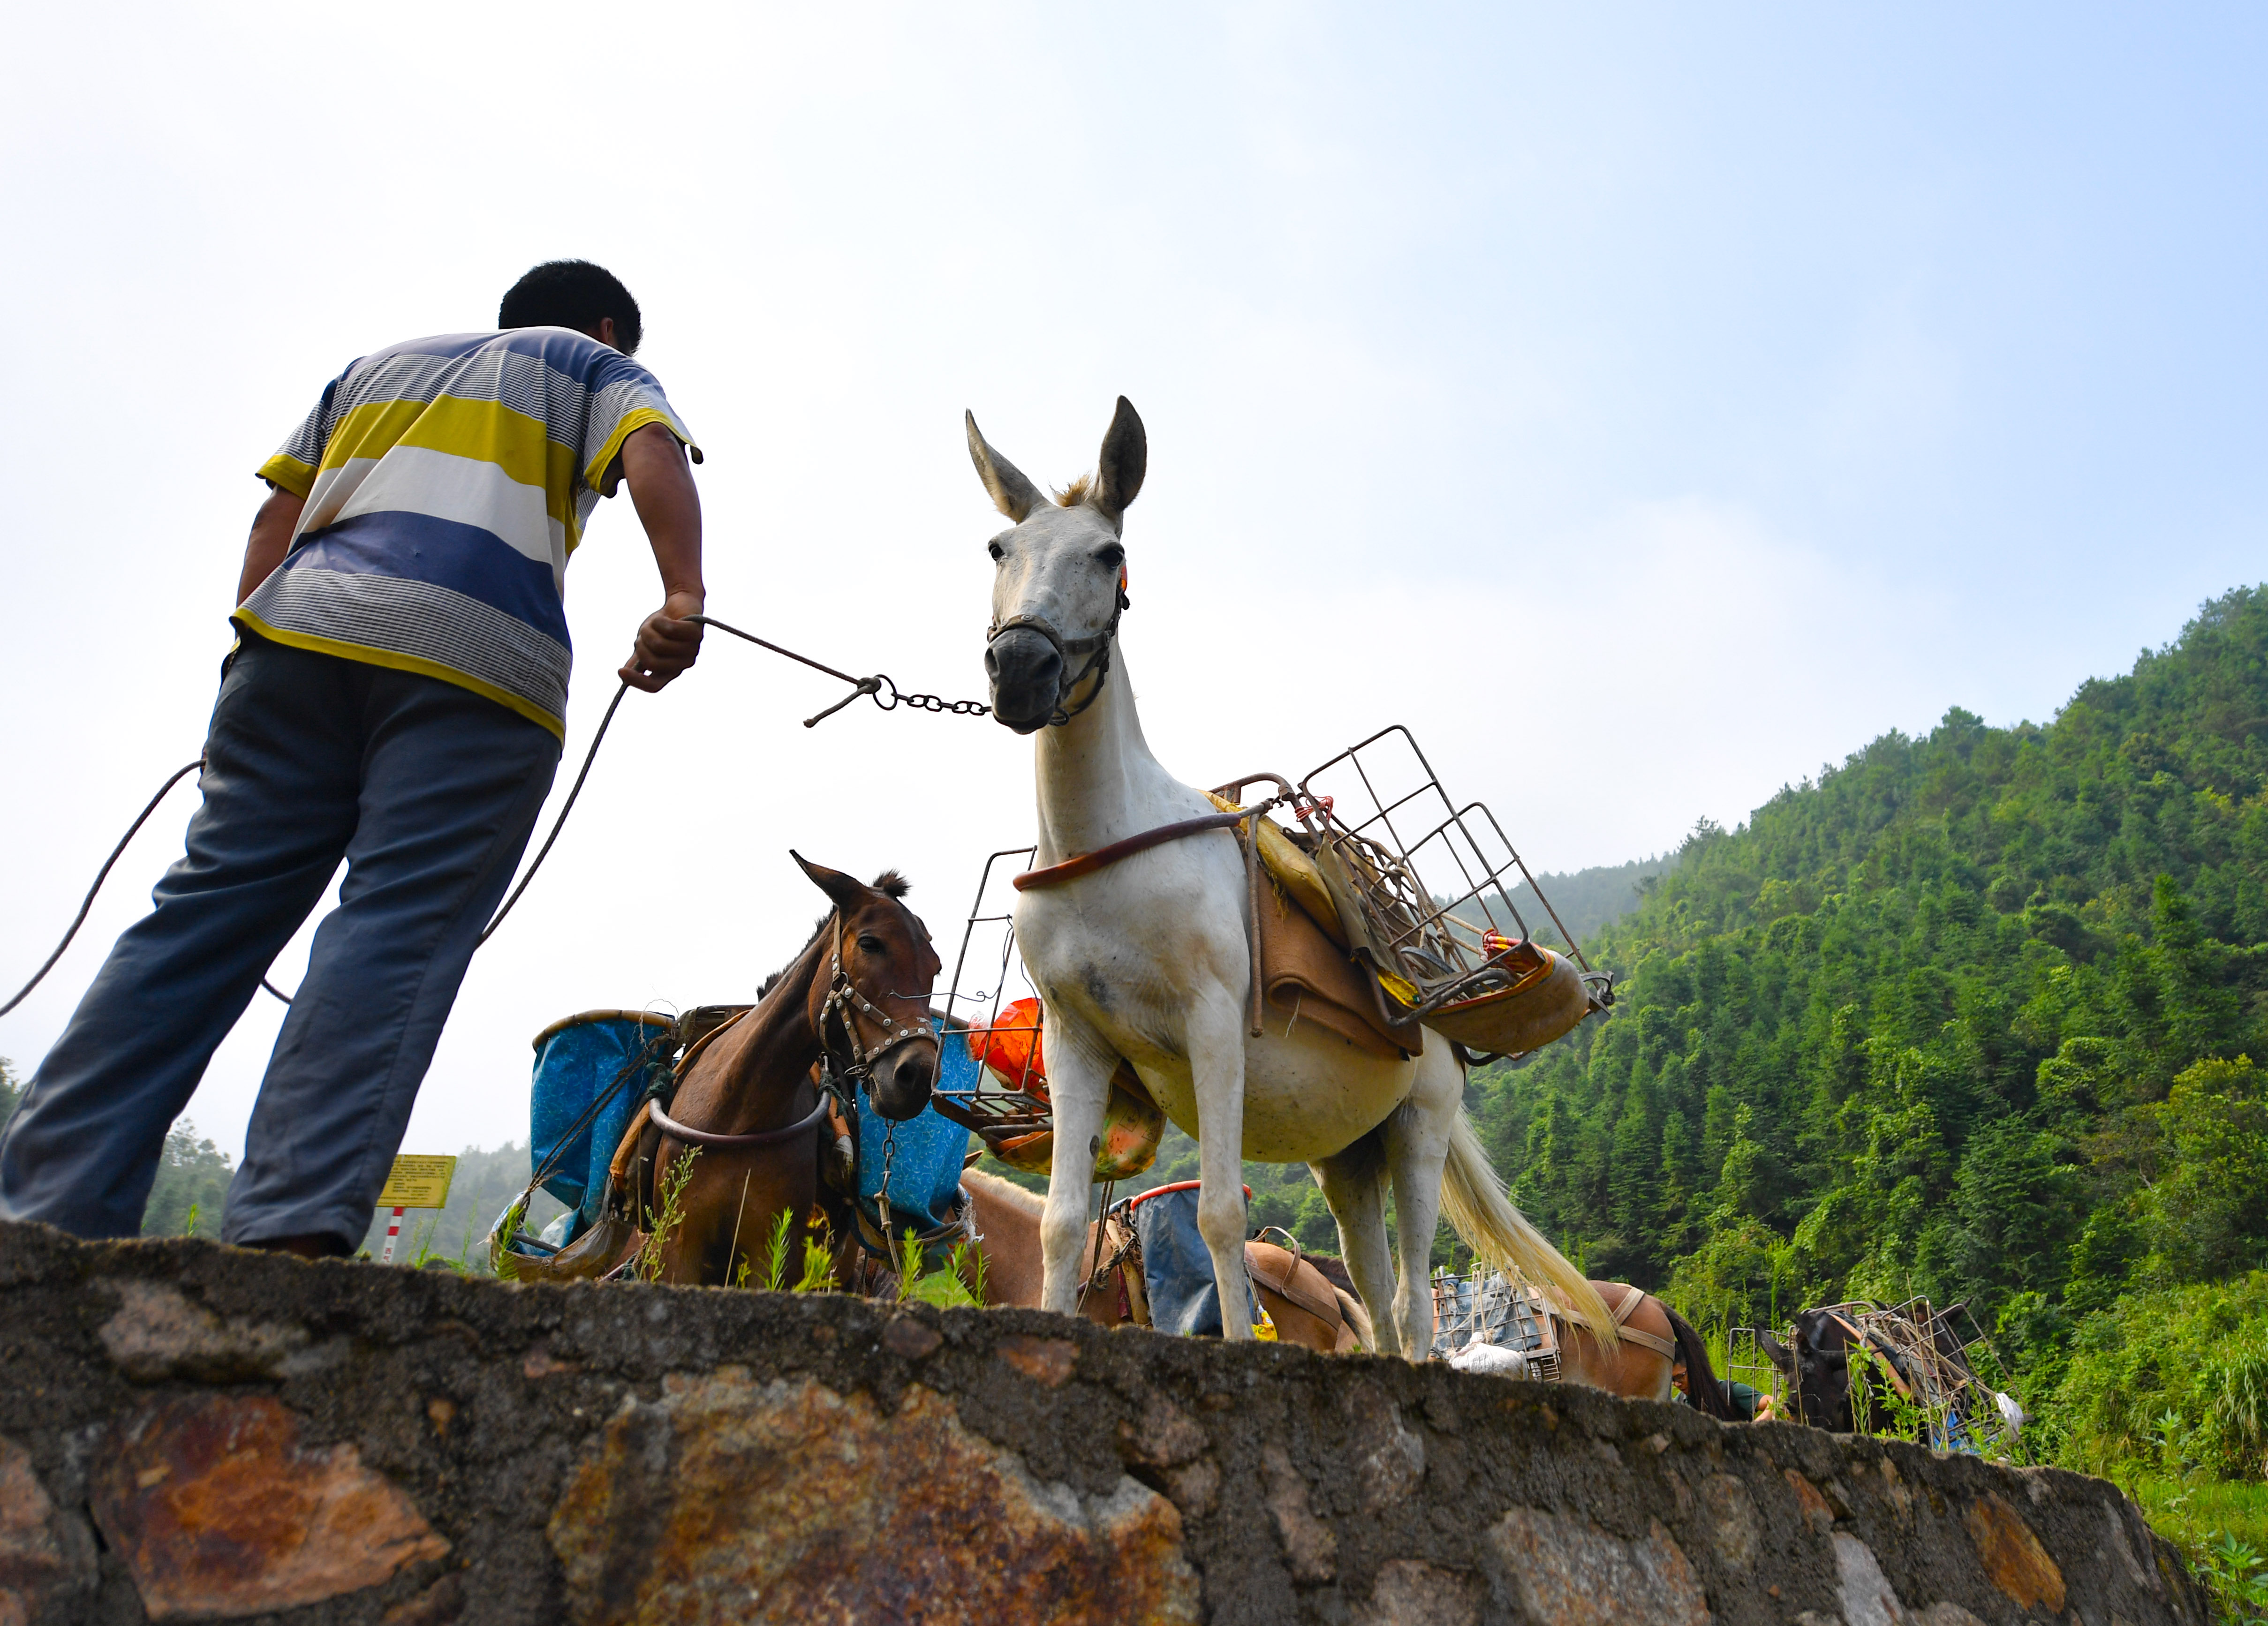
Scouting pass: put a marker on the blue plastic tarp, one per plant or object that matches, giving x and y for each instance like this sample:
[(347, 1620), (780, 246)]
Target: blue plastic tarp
[(1177, 1269), (573, 1067)]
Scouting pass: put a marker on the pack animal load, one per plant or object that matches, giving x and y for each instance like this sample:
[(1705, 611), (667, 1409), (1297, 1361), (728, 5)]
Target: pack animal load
[(1907, 1370), (1346, 936), (1481, 1308)]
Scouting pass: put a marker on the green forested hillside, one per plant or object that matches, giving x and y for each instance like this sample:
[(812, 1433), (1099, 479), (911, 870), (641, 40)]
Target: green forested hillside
[(1972, 1016), (1587, 900)]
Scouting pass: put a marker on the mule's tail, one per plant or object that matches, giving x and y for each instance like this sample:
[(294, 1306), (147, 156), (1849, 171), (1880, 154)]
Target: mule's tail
[(1357, 1318), (1475, 1204), (1701, 1386)]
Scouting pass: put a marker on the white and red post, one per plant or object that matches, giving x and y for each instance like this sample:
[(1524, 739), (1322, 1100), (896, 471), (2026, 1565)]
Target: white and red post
[(392, 1230)]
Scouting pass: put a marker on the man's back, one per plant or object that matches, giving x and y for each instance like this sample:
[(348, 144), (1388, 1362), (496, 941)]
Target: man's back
[(447, 481)]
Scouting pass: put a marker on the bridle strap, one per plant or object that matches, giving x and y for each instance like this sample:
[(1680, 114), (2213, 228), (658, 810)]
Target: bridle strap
[(843, 997), (1095, 647)]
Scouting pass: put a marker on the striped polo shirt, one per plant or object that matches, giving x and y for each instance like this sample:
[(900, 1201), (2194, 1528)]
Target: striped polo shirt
[(446, 479)]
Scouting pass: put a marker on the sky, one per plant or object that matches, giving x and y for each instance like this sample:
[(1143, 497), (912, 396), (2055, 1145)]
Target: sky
[(1645, 404)]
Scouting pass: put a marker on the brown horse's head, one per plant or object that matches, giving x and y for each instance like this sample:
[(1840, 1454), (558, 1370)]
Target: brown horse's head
[(890, 968)]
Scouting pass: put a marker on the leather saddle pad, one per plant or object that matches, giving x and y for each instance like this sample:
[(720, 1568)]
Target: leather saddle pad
[(1304, 972), (1308, 978), (1299, 1284)]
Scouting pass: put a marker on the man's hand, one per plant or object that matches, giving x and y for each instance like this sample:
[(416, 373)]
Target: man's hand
[(661, 487), (667, 643)]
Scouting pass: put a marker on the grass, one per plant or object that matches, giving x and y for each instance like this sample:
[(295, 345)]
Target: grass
[(2222, 1528), (662, 1226)]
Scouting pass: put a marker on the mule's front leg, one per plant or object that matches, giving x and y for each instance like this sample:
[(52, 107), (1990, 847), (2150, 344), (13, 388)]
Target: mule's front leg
[(1216, 1042), (1079, 1087)]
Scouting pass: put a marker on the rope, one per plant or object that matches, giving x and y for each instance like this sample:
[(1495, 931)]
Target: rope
[(589, 757), (101, 875), (872, 687)]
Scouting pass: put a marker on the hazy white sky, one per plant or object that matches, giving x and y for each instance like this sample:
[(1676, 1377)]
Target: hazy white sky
[(1645, 404)]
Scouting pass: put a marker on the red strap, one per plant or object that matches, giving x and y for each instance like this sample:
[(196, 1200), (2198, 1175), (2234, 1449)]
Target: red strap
[(1102, 857)]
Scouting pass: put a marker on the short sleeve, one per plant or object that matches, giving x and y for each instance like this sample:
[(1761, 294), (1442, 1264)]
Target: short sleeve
[(627, 398), (296, 460)]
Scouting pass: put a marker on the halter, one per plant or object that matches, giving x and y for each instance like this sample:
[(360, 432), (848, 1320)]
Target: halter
[(843, 997), (1096, 649)]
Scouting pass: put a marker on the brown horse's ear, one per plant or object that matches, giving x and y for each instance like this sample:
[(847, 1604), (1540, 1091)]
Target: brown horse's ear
[(846, 891)]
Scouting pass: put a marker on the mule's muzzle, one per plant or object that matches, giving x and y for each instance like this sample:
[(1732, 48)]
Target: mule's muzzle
[(902, 1081), (1027, 674)]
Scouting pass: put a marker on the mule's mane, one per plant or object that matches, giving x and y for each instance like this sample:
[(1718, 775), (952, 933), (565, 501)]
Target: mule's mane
[(889, 883), (1006, 1192), (1076, 492)]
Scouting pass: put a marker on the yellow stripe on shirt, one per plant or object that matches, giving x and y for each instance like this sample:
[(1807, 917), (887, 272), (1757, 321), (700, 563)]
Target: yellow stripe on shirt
[(486, 431), (631, 422)]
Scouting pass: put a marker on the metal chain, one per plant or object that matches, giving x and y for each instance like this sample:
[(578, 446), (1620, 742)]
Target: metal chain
[(872, 687), (882, 1197), (931, 703)]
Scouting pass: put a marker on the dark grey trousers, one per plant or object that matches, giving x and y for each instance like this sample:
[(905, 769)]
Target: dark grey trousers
[(427, 791)]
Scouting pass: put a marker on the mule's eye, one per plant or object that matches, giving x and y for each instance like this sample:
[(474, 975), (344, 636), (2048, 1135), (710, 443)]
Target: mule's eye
[(869, 943), (995, 550), (1113, 555)]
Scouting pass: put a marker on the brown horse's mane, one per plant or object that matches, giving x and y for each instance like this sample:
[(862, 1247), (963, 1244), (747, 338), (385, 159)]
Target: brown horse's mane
[(889, 883), (1006, 1192)]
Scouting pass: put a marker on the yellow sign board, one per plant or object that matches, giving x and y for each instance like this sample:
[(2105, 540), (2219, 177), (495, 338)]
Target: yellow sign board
[(418, 1182)]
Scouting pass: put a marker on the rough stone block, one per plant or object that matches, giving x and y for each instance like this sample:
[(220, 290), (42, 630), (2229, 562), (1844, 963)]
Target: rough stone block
[(343, 1445)]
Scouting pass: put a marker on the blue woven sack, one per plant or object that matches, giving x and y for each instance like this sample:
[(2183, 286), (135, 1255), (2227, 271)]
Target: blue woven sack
[(576, 1059)]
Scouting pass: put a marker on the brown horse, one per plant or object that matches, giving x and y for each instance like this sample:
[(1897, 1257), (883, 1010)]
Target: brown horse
[(749, 1135), (1304, 1304), (1655, 1343)]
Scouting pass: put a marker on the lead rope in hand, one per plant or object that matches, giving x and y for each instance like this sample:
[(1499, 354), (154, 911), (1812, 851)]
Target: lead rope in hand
[(873, 688)]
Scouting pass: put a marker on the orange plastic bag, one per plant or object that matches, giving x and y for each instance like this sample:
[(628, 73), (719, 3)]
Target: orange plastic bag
[(1011, 1047)]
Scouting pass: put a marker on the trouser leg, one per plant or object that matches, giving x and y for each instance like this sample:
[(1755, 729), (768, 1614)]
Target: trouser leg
[(451, 785), (280, 790)]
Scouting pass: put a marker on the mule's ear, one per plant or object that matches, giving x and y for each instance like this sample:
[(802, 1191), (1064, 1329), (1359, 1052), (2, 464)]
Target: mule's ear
[(1012, 494), (1777, 1351), (1125, 458), (844, 891)]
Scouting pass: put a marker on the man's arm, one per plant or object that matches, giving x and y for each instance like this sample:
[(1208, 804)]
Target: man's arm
[(669, 508), (271, 539)]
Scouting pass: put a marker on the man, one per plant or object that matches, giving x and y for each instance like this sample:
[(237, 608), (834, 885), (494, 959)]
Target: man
[(397, 699), (1749, 1403)]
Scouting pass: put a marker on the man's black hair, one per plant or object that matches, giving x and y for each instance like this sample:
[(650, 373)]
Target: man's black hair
[(572, 293)]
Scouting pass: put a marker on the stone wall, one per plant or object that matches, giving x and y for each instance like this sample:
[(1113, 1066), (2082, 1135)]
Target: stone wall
[(188, 1432)]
